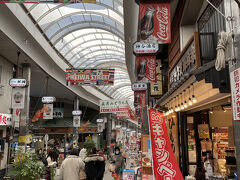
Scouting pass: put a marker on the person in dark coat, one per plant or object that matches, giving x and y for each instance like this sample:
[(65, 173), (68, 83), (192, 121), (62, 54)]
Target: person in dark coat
[(94, 166)]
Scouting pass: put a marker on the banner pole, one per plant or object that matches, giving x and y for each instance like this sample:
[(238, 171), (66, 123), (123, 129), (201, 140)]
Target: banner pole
[(150, 141)]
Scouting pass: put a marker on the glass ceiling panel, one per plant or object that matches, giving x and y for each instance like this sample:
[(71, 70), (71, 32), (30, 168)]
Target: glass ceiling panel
[(88, 36)]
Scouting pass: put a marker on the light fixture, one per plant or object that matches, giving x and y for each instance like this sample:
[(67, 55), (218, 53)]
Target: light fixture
[(193, 96), (179, 108), (182, 106), (211, 111), (224, 110), (175, 105), (185, 102)]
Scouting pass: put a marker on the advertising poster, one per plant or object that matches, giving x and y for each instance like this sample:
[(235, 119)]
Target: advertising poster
[(164, 162), (155, 25), (110, 106), (18, 97), (235, 81), (121, 115), (128, 174), (76, 121), (203, 131), (48, 113), (156, 87), (5, 119), (98, 77), (146, 68), (58, 112), (140, 99)]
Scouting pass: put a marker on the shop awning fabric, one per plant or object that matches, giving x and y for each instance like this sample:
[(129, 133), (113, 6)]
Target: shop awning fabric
[(87, 35)]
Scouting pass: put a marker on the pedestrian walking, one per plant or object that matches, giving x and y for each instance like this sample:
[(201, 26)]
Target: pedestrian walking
[(118, 160), (72, 167), (94, 166)]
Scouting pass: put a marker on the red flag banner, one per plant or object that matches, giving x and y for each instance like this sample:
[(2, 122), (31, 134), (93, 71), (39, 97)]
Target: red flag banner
[(155, 22), (164, 162), (140, 99), (146, 68)]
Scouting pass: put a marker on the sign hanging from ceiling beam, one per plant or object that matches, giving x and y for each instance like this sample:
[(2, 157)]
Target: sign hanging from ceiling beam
[(88, 77)]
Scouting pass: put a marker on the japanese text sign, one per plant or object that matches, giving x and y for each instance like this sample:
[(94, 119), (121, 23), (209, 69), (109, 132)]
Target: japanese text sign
[(5, 119), (139, 87), (110, 106), (99, 77), (17, 82), (18, 98), (145, 48), (155, 25), (234, 76), (164, 162)]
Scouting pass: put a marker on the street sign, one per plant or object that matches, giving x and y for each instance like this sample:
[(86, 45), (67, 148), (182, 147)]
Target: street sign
[(18, 82), (145, 48), (76, 112), (139, 87), (48, 99), (99, 120)]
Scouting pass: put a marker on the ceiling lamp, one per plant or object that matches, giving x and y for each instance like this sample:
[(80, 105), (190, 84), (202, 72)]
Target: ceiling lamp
[(193, 96), (182, 106), (185, 102)]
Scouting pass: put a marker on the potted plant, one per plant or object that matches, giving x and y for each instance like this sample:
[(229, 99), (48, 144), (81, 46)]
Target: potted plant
[(26, 166), (89, 145)]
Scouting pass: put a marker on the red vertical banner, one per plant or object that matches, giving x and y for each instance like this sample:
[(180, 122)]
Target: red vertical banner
[(155, 25), (164, 162), (140, 99), (146, 68)]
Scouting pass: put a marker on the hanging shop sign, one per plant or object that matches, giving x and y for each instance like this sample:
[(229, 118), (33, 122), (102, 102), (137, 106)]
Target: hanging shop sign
[(16, 117), (48, 99), (145, 48), (110, 106), (16, 82), (100, 127), (146, 68), (155, 25), (121, 115), (98, 77), (18, 98), (48, 113), (5, 119), (25, 139), (156, 87), (128, 174), (76, 112), (140, 99), (164, 162), (99, 120), (187, 62), (139, 87), (58, 112), (235, 84), (76, 121)]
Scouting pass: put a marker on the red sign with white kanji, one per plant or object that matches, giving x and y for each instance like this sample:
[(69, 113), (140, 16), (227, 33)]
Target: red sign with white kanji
[(234, 76), (164, 162)]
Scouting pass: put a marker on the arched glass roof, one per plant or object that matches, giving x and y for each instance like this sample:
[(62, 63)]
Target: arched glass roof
[(88, 36)]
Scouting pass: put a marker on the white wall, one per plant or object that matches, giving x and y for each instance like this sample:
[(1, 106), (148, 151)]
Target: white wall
[(5, 100), (186, 33)]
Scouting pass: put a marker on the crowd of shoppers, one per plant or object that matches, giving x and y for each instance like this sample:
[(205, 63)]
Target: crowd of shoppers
[(80, 165)]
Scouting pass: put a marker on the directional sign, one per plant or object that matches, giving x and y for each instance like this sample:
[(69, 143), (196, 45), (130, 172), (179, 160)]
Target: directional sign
[(139, 87), (16, 82), (48, 99), (145, 48)]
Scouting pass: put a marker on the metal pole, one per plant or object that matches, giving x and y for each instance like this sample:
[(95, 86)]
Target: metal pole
[(24, 116), (109, 132)]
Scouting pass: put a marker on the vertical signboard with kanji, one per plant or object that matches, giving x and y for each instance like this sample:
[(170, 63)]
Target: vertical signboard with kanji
[(48, 114), (156, 87), (234, 76), (18, 97), (164, 162)]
